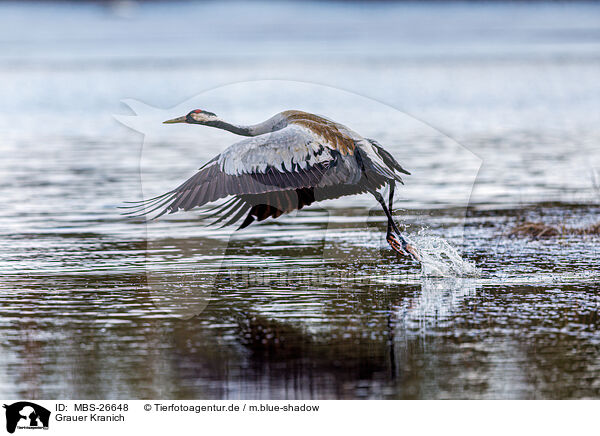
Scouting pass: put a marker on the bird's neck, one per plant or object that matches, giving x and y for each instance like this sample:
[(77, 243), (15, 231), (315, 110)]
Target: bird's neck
[(270, 125)]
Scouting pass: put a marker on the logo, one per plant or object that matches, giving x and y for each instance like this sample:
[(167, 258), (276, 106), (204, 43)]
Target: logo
[(26, 415)]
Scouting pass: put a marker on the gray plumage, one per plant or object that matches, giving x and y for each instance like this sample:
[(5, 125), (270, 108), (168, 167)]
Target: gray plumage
[(289, 161)]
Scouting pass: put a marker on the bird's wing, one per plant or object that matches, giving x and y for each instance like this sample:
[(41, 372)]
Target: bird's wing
[(288, 159), (376, 160)]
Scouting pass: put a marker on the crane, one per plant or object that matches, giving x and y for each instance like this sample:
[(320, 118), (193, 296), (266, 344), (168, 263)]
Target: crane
[(287, 162)]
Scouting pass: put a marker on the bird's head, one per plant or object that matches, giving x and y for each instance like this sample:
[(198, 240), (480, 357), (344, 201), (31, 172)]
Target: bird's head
[(197, 116)]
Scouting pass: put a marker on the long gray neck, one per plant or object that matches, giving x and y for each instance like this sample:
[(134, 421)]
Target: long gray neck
[(274, 123)]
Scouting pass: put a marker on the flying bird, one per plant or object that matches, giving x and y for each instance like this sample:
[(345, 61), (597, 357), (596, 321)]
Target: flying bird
[(289, 161)]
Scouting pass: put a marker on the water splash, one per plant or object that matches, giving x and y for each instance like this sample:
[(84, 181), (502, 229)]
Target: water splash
[(440, 259)]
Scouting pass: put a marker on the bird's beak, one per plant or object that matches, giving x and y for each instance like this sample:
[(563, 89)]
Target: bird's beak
[(176, 120)]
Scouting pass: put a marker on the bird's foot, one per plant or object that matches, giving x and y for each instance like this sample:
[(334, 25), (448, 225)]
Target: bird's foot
[(401, 246)]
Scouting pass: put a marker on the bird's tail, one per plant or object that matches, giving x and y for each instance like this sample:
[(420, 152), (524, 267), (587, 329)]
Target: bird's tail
[(393, 167)]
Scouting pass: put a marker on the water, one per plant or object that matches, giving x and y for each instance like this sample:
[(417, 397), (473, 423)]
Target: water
[(440, 259), (493, 108)]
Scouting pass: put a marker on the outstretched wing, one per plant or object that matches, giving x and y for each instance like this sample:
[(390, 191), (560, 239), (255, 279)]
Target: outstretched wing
[(290, 159)]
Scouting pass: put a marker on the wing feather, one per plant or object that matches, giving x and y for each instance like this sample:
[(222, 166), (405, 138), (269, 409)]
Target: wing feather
[(288, 159)]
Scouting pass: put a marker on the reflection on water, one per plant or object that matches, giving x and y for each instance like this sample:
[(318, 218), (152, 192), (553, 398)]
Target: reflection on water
[(435, 305), (313, 305), (282, 328)]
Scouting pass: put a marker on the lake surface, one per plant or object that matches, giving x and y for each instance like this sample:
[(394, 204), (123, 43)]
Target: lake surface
[(493, 108)]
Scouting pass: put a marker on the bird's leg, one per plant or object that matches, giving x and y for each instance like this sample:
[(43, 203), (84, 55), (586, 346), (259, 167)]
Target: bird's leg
[(391, 203), (394, 236)]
